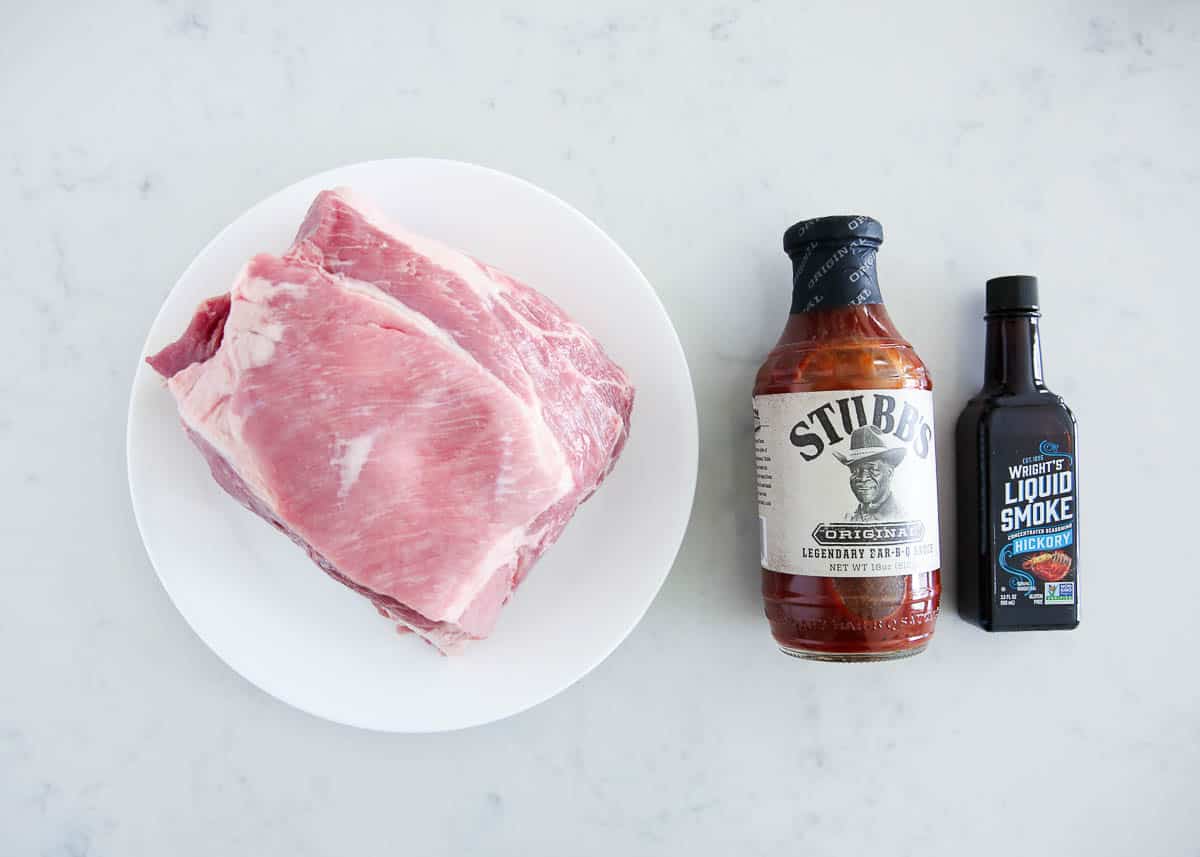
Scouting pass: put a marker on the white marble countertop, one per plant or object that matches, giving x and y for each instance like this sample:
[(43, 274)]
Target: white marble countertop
[(1053, 138)]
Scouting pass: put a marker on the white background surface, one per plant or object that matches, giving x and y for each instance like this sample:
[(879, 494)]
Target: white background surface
[(1058, 139)]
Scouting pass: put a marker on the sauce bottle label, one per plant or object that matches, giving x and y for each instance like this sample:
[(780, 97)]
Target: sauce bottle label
[(1033, 500), (847, 485)]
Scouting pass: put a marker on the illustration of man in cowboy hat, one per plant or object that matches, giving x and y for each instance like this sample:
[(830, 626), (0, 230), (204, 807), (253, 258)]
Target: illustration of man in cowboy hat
[(872, 463)]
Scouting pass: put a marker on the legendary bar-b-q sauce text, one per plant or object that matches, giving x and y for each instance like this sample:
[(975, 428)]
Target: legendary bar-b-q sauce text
[(847, 489), (1018, 487)]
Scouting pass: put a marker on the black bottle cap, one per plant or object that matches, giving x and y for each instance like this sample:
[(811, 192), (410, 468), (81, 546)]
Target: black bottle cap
[(841, 228), (1016, 293), (833, 261)]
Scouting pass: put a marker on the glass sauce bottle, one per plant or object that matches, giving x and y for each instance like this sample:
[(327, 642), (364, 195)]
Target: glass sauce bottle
[(824, 593), (1018, 524)]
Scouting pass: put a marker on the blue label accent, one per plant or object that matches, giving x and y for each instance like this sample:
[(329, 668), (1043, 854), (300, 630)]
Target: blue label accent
[(1021, 581), (1050, 542), (1050, 450)]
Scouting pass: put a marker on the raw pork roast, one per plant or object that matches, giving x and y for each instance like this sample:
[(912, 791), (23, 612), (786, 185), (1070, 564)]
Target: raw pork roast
[(419, 422)]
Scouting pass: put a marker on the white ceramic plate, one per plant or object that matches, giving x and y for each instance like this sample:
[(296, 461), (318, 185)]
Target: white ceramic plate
[(277, 619)]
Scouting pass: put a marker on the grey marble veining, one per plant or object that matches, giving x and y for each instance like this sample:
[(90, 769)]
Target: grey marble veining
[(1054, 138)]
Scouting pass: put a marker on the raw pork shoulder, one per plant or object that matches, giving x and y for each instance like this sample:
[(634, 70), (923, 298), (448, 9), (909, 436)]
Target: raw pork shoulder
[(419, 422)]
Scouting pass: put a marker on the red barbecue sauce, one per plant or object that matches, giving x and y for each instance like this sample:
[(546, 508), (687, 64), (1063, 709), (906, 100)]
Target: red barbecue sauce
[(847, 618)]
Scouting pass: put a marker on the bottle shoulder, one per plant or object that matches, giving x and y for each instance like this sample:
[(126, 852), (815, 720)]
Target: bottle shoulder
[(853, 364), (992, 398), (989, 406), (841, 348)]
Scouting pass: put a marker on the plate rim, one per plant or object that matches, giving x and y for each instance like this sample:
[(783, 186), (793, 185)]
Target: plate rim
[(691, 427)]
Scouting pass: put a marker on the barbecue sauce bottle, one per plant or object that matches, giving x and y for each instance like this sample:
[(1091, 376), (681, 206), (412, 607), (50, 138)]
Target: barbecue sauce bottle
[(847, 491), (1018, 523)]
